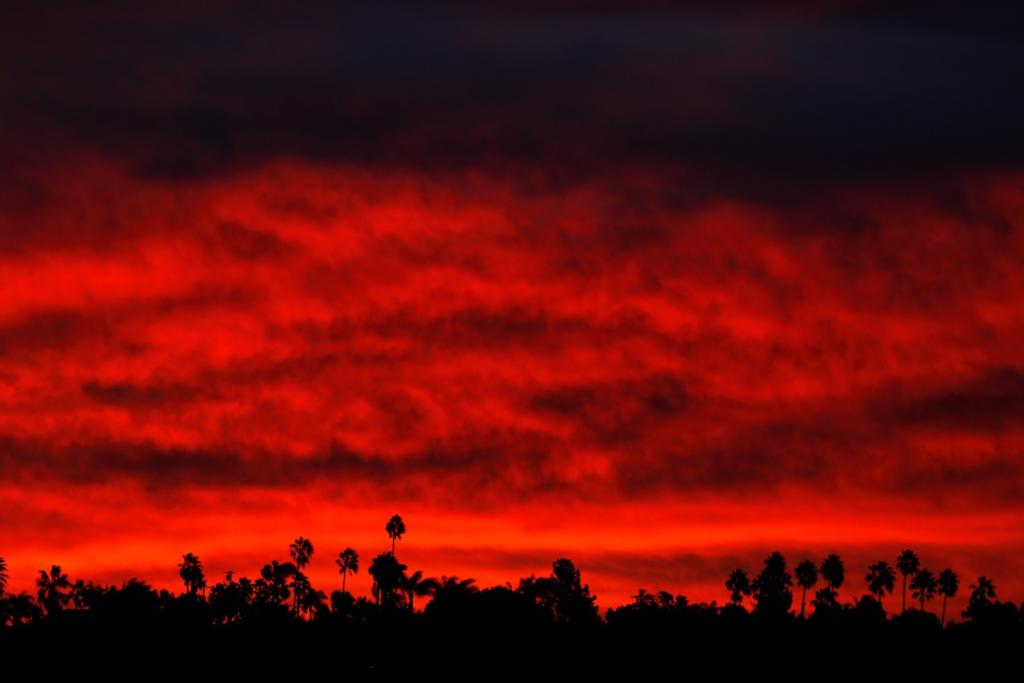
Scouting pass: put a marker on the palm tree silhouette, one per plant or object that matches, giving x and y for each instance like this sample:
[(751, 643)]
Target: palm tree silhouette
[(301, 550), (395, 528), (191, 572), (52, 587), (949, 584), (3, 576), (415, 584), (923, 586), (806, 577), (881, 579), (347, 561), (908, 564), (738, 584)]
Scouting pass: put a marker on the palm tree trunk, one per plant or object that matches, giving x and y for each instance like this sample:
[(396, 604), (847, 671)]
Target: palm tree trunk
[(803, 598), (392, 546), (904, 592), (944, 597), (344, 575)]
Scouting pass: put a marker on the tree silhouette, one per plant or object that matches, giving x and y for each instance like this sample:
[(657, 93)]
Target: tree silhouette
[(347, 561), (772, 592), (983, 595), (395, 528), (562, 595), (908, 564), (806, 577), (881, 579), (415, 585), (3, 576), (301, 550), (191, 572), (923, 586), (388, 577), (949, 585), (275, 581), (54, 589), (738, 585), (832, 571)]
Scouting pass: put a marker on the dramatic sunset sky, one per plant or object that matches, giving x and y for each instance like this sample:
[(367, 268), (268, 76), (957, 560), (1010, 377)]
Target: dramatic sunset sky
[(660, 290)]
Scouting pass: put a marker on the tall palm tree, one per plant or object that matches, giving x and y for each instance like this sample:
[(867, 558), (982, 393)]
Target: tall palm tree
[(908, 564), (923, 586), (881, 579), (738, 584), (806, 577), (949, 585), (52, 589), (301, 550), (347, 561), (395, 528), (3, 576), (415, 584), (191, 572)]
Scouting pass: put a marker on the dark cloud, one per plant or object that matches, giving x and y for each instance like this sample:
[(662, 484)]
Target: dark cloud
[(756, 100)]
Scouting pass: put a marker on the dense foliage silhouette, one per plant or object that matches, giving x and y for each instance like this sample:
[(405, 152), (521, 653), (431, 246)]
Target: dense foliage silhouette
[(555, 613)]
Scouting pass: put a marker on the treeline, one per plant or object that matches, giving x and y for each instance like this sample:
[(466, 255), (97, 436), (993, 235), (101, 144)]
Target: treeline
[(283, 595)]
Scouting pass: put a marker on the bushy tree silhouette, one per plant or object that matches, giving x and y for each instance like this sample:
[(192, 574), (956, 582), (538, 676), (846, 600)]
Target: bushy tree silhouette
[(772, 593), (562, 594), (388, 578), (738, 585)]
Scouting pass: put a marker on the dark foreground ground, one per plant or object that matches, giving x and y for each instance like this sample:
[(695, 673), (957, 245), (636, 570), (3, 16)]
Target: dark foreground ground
[(413, 651)]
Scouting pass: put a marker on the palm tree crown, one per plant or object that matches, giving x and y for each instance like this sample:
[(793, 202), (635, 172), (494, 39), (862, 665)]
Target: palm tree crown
[(301, 551), (347, 561), (52, 587), (881, 579), (923, 586), (191, 572), (395, 528)]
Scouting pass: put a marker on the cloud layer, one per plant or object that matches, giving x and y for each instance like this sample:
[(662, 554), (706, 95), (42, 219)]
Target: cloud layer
[(660, 289)]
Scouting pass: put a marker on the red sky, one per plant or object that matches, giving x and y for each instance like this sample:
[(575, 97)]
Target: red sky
[(662, 365)]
